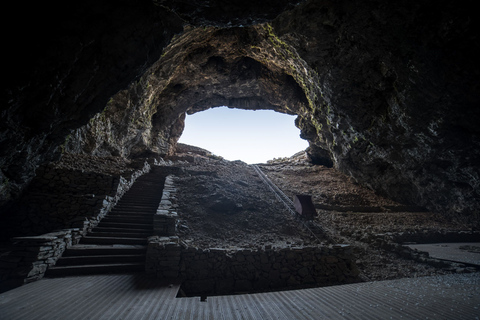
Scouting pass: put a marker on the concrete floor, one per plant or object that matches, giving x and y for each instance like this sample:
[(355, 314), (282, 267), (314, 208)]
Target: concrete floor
[(139, 297)]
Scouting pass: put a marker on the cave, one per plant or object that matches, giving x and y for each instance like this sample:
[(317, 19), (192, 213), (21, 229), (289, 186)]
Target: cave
[(96, 96)]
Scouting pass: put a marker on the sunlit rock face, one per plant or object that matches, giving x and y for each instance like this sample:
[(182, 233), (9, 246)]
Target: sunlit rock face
[(202, 68), (385, 93)]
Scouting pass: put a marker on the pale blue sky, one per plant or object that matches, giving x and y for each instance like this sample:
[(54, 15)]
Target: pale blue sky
[(250, 136)]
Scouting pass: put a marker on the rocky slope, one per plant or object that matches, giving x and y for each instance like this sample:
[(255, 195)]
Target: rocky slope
[(224, 204)]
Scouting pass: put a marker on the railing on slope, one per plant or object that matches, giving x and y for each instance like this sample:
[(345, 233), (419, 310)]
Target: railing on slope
[(276, 190), (287, 202)]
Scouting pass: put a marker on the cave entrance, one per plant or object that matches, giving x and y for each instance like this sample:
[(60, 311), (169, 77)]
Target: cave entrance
[(252, 136)]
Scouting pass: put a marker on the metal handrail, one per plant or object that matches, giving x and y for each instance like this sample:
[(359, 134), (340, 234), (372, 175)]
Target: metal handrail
[(287, 202)]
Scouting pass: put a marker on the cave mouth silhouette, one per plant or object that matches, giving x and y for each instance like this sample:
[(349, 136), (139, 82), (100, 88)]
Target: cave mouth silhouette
[(252, 136)]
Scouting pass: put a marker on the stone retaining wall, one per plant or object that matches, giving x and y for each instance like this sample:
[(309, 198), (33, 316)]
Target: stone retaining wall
[(29, 257), (226, 271), (165, 219), (79, 208), (62, 198)]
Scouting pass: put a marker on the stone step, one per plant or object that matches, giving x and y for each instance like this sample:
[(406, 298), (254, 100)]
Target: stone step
[(115, 249), (120, 233), (135, 209), (135, 206), (118, 243), (99, 259), (120, 230), (133, 212), (146, 191), (130, 213), (141, 196), (112, 240), (137, 226), (62, 271), (146, 219)]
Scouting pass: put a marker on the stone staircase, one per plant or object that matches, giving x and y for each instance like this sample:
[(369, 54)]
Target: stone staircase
[(119, 243)]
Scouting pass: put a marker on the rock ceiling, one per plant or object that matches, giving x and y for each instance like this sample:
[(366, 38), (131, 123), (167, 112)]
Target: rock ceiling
[(387, 94)]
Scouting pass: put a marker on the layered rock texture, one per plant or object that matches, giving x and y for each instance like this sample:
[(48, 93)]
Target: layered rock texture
[(387, 93)]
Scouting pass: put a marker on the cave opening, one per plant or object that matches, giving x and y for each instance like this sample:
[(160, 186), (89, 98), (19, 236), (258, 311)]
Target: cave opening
[(252, 136)]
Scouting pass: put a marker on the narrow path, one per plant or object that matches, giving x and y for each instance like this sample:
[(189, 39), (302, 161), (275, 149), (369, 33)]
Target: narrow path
[(118, 243)]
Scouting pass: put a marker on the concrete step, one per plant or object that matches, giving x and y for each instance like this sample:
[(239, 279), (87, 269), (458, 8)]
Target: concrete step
[(112, 240), (63, 271), (99, 259), (115, 249)]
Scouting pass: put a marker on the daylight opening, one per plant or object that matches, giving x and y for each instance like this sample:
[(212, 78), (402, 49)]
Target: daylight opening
[(246, 135)]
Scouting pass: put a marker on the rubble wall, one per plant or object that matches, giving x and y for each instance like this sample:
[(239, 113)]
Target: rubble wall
[(225, 271), (216, 271), (61, 198), (71, 203)]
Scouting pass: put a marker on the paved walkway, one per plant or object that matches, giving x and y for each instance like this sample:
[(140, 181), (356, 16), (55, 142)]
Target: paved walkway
[(139, 297), (459, 252)]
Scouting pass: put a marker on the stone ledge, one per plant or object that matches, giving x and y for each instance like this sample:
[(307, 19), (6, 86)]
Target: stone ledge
[(34, 239), (227, 270)]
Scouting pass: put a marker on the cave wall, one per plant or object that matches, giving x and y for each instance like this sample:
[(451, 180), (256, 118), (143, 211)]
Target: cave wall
[(75, 192), (401, 87), (64, 62), (202, 68), (386, 93)]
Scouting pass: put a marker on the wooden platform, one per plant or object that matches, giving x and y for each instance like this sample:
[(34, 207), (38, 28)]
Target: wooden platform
[(139, 297)]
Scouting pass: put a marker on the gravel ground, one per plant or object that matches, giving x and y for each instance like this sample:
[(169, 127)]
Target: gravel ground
[(225, 204)]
